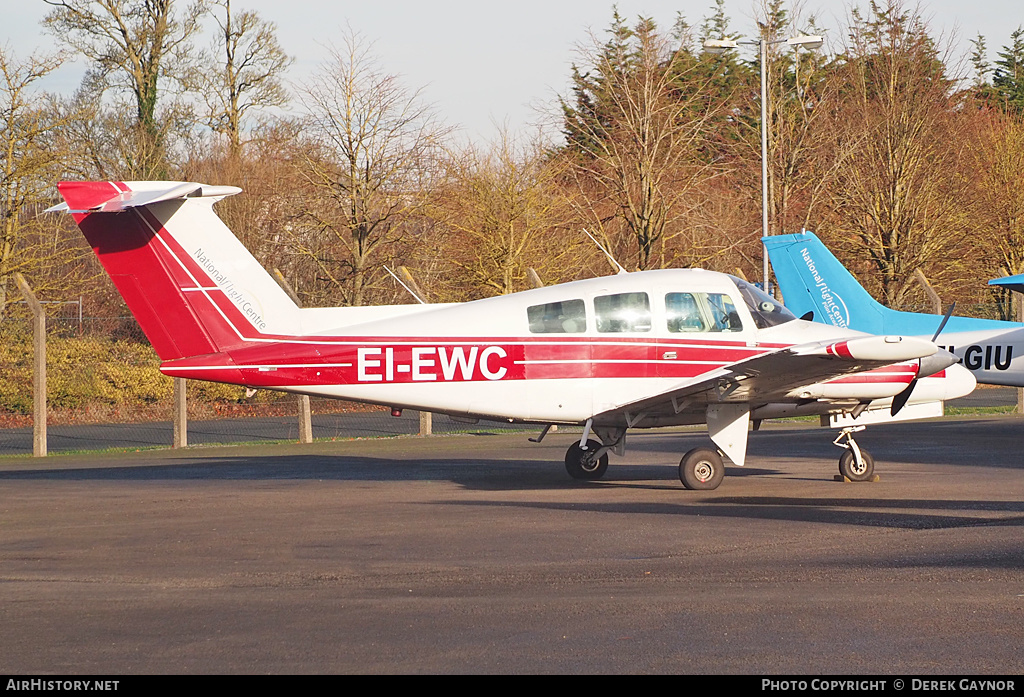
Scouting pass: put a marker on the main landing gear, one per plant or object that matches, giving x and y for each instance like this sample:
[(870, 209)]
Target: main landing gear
[(586, 464), (855, 464), (588, 458), (701, 469)]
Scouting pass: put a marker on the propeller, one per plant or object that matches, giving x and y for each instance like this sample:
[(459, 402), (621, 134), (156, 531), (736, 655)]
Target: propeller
[(900, 400)]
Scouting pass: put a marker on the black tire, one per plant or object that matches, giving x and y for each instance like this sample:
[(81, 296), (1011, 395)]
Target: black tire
[(849, 469), (580, 464), (701, 469)]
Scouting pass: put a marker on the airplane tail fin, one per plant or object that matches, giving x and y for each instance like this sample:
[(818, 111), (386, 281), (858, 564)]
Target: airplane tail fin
[(192, 286), (812, 279)]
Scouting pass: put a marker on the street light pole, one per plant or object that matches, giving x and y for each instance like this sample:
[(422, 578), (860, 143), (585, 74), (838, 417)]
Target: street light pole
[(763, 45), (723, 45)]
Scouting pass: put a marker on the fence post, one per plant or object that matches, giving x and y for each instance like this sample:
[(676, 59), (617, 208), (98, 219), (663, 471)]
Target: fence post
[(180, 414), (929, 291), (38, 367), (426, 423), (305, 420), (1019, 301), (305, 411)]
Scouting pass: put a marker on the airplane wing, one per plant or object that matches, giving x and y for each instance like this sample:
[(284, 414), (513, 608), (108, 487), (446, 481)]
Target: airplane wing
[(727, 394), (772, 376)]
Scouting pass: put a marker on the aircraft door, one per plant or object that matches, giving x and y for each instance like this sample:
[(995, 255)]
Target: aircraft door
[(557, 361), (697, 328), (623, 349)]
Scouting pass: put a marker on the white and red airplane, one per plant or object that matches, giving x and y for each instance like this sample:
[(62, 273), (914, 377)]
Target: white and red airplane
[(634, 350)]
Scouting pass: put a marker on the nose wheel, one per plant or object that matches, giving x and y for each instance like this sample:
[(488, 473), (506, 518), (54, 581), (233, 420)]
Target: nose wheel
[(855, 464)]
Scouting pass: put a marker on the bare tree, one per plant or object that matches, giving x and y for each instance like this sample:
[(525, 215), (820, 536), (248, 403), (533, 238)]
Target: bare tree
[(504, 213), (634, 136), (898, 195), (133, 44), (374, 145), (999, 167), (29, 165), (248, 65)]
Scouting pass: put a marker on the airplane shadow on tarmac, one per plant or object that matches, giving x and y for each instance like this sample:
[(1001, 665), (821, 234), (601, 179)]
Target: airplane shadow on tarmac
[(516, 475), (779, 453)]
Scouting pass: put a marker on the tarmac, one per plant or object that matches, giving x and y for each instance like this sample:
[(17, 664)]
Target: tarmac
[(478, 554)]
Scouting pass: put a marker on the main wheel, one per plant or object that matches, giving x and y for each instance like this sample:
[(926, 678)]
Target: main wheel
[(849, 468), (701, 468), (581, 464)]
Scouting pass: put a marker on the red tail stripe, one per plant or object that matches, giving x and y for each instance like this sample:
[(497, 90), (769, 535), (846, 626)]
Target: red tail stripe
[(85, 195)]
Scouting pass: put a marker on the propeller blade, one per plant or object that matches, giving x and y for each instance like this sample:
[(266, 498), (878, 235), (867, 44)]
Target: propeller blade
[(945, 319), (900, 400)]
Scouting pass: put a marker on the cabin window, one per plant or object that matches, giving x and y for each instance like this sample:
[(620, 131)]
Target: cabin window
[(682, 313), (766, 310), (565, 317), (723, 314), (623, 312), (701, 312)]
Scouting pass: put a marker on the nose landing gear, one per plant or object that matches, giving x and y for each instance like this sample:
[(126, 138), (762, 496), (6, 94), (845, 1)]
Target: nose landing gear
[(855, 464)]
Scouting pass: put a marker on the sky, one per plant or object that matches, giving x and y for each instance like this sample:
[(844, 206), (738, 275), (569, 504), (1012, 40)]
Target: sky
[(485, 65)]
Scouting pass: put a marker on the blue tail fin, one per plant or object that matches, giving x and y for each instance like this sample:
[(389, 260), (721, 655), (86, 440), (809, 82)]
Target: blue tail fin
[(812, 279)]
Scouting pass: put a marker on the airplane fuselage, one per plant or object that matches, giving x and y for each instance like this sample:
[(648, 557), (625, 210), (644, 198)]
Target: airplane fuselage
[(552, 355), (995, 357)]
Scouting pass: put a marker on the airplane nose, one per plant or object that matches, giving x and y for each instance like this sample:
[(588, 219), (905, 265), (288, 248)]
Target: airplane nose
[(940, 360)]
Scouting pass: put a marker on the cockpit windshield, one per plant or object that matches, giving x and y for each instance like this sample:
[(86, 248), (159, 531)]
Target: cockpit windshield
[(767, 311)]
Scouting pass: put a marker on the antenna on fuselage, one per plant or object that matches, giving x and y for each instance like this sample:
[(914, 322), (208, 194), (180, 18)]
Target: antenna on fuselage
[(606, 253), (420, 300)]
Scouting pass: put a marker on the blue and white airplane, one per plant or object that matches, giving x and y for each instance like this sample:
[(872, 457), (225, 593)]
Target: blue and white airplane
[(811, 279)]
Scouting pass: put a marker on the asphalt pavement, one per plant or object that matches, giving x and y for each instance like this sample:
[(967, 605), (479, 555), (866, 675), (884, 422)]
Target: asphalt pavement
[(478, 554)]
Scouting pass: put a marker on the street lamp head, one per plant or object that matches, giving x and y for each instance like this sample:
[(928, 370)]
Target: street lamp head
[(719, 45), (810, 42)]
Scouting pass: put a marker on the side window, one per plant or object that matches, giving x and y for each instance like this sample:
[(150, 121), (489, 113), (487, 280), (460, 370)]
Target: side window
[(566, 317), (623, 312), (724, 314), (701, 312), (682, 313)]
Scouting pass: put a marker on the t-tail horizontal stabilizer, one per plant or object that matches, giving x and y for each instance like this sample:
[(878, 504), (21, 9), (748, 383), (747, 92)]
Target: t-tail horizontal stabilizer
[(192, 286)]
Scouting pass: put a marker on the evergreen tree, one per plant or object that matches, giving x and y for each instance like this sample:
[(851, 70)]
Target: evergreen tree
[(979, 60), (635, 135), (1008, 79)]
